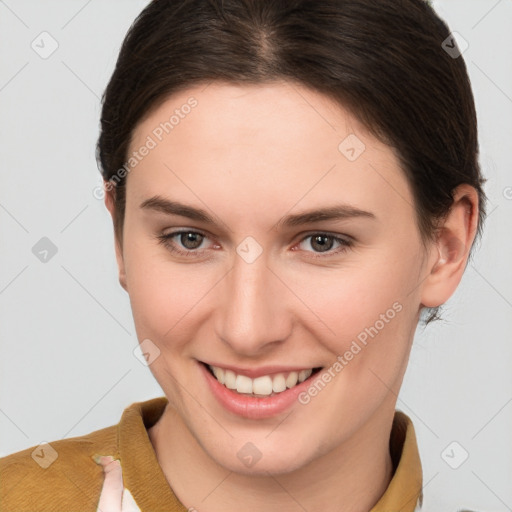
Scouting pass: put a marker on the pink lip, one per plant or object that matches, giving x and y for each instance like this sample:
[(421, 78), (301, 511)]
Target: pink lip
[(262, 370), (254, 407)]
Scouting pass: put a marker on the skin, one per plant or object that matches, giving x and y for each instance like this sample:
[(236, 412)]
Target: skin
[(248, 156)]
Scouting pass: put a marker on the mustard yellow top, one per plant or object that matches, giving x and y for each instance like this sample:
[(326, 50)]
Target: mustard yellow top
[(68, 474)]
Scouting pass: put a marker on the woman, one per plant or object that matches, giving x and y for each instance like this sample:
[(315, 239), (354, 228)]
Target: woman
[(293, 186)]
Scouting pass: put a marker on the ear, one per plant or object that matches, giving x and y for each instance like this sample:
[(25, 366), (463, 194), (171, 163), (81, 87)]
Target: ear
[(449, 255), (109, 203)]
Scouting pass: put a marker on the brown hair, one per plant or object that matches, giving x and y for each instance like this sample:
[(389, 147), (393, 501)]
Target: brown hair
[(383, 61)]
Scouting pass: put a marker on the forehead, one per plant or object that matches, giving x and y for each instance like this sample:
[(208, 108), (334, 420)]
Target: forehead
[(219, 113), (280, 141)]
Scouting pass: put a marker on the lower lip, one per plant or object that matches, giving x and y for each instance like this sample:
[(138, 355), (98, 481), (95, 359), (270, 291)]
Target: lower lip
[(253, 407)]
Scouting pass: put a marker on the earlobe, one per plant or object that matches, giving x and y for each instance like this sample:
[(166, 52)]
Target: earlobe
[(109, 203), (450, 253)]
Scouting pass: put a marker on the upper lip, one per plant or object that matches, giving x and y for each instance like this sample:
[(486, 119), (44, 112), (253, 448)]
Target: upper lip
[(260, 371)]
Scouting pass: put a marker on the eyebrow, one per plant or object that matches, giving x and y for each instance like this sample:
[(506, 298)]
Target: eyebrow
[(336, 212)]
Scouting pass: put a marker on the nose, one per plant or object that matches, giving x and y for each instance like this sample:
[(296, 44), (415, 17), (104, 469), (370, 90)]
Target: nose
[(254, 309)]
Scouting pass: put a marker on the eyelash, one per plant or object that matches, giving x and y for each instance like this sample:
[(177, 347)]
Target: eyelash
[(165, 239)]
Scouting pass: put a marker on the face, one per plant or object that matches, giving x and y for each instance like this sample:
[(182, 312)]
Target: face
[(226, 264)]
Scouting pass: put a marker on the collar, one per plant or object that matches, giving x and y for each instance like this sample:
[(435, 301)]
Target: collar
[(143, 477), (404, 492)]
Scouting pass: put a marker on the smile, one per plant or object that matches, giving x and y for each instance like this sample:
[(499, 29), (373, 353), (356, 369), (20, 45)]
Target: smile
[(262, 386)]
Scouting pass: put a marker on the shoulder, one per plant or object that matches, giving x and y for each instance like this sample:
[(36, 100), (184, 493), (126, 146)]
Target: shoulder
[(59, 475)]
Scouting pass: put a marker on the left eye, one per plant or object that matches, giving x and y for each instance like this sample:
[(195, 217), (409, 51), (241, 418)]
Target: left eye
[(322, 242), (191, 241)]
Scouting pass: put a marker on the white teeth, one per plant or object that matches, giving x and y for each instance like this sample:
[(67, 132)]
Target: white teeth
[(278, 383), (219, 373), (243, 384), (291, 380), (264, 385), (229, 379)]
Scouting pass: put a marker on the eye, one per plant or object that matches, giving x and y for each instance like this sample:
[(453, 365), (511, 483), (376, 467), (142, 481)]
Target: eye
[(190, 241), (324, 242)]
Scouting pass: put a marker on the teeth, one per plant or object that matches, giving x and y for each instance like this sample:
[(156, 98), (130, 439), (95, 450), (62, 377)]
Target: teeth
[(243, 384), (278, 383), (219, 374), (229, 378), (304, 374), (291, 380), (264, 386)]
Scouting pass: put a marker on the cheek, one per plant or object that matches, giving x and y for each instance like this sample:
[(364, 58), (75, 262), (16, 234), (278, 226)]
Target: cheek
[(378, 344), (167, 299), (344, 303), (372, 312)]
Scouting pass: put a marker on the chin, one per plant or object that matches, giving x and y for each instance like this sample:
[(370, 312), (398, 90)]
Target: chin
[(249, 460)]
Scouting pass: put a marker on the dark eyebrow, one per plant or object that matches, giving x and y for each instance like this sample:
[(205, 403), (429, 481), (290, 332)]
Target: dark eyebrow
[(160, 204), (339, 212)]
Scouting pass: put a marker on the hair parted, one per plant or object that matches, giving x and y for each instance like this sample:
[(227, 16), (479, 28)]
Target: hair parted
[(382, 61)]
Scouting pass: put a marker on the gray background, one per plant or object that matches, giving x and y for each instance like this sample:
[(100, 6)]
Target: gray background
[(66, 331)]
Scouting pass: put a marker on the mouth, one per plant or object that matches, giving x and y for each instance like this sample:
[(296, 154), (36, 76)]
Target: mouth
[(264, 386)]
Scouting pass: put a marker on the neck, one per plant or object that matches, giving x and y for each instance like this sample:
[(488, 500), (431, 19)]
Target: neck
[(351, 478)]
